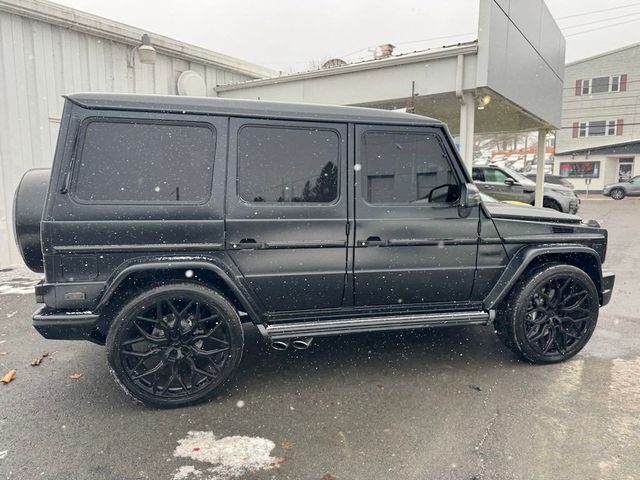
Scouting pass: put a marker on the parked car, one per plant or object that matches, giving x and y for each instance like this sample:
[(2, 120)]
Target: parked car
[(167, 222), (506, 184), (488, 200), (552, 179), (619, 190)]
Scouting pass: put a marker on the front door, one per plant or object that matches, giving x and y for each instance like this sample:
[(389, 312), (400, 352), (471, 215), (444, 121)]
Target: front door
[(625, 169), (287, 211), (409, 246)]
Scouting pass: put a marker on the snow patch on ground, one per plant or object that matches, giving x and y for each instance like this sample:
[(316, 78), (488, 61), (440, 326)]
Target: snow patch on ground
[(228, 457), (17, 281)]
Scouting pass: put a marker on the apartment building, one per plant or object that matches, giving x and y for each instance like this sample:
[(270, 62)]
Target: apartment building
[(599, 139)]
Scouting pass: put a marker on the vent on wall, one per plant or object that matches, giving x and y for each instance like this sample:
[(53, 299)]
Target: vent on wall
[(191, 84)]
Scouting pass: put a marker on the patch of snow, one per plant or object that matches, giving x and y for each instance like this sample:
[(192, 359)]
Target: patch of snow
[(228, 457), (187, 471)]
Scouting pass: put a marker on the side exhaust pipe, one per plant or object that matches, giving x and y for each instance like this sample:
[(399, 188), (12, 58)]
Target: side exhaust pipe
[(280, 344), (302, 343)]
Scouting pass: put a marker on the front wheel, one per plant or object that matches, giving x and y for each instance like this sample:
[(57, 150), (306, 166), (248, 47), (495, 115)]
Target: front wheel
[(175, 345), (551, 315), (617, 194), (550, 203)]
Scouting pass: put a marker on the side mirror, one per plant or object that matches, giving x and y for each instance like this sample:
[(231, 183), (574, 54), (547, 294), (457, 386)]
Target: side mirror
[(469, 198), (509, 182)]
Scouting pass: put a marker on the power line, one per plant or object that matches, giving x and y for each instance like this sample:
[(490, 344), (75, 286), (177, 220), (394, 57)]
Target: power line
[(600, 20), (601, 27), (584, 14)]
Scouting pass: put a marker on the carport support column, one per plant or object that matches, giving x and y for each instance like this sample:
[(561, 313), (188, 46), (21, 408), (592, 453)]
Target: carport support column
[(542, 135), (467, 124)]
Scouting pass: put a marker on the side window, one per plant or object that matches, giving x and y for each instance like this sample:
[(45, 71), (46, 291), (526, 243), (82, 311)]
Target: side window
[(288, 164), (494, 175), (478, 174), (405, 167), (133, 162)]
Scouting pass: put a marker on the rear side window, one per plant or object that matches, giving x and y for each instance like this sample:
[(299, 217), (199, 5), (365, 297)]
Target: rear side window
[(287, 164), (133, 162), (404, 168)]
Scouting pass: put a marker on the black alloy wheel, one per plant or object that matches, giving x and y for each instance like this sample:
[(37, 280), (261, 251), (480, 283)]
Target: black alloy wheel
[(174, 345), (551, 316)]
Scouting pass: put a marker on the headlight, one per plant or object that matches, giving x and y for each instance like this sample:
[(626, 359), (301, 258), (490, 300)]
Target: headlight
[(565, 193)]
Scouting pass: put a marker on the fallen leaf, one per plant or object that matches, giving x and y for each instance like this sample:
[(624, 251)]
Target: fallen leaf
[(45, 354), (285, 444), (277, 461), (8, 376), (328, 476), (75, 376), (380, 386), (36, 361), (2, 354), (196, 449), (476, 388)]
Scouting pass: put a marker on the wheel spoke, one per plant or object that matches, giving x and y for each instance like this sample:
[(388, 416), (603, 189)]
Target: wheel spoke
[(148, 336), (199, 370), (560, 343), (552, 338), (542, 331), (208, 353), (581, 296), (151, 371)]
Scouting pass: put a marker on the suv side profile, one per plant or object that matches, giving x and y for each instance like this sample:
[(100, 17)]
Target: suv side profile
[(167, 222), (506, 184)]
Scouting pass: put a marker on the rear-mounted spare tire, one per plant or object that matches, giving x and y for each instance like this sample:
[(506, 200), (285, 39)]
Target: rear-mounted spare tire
[(28, 203)]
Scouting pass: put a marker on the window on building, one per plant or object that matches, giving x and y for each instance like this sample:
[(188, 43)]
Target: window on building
[(286, 165), (580, 169), (403, 168), (615, 83), (599, 128), (137, 162), (611, 83)]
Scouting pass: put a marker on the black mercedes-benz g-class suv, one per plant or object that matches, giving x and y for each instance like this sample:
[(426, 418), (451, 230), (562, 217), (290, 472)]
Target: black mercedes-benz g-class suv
[(167, 222)]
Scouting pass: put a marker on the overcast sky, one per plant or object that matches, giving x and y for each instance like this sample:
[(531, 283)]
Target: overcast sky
[(290, 34)]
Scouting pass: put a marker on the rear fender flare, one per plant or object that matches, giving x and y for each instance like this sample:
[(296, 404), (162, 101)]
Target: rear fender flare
[(201, 263)]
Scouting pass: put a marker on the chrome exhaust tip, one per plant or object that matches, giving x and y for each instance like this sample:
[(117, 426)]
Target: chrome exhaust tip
[(302, 343), (280, 345)]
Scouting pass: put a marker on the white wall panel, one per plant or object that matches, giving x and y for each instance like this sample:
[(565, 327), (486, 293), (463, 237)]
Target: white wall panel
[(40, 62)]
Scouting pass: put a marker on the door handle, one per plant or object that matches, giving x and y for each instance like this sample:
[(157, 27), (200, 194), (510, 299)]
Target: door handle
[(373, 241), (246, 243)]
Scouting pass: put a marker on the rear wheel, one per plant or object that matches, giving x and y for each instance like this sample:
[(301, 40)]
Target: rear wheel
[(617, 193), (175, 345), (550, 316)]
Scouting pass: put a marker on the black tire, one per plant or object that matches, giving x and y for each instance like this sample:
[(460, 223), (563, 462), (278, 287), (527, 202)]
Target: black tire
[(550, 315), (550, 203), (617, 193), (175, 345)]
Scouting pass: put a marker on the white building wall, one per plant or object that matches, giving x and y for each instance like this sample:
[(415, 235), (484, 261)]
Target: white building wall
[(41, 61), (601, 106)]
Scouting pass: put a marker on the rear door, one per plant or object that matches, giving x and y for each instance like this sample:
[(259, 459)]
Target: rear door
[(410, 249), (286, 217)]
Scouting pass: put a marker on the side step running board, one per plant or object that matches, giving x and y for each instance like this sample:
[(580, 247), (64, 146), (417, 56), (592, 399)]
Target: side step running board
[(337, 327)]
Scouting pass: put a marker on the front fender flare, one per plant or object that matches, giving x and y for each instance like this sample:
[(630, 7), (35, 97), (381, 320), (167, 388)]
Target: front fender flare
[(523, 258)]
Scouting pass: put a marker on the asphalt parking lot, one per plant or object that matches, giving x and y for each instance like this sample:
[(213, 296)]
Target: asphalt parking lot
[(449, 403)]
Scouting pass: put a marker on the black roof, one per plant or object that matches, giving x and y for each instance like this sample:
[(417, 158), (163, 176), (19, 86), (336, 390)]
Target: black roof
[(622, 148), (245, 108)]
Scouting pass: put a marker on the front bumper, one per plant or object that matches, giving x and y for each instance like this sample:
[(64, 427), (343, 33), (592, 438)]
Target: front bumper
[(68, 325), (608, 280)]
